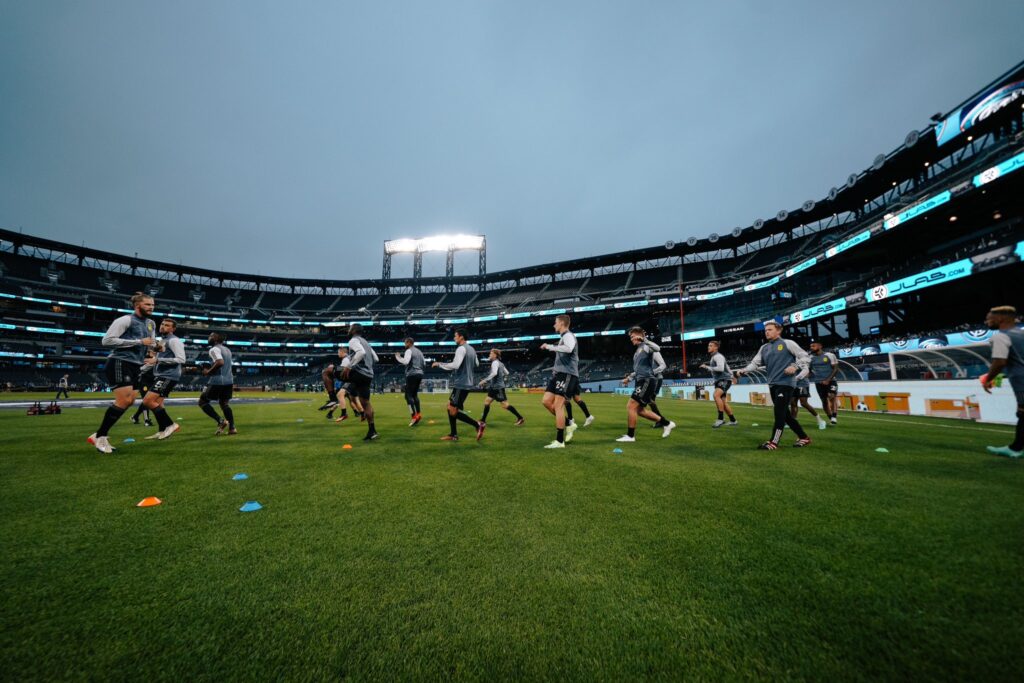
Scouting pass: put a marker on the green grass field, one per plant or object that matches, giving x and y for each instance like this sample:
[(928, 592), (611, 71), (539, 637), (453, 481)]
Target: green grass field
[(691, 557)]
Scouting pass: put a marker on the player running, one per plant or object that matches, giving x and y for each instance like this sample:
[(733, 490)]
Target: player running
[(129, 336), (338, 390), (564, 382), (1007, 357), (412, 359), (824, 366), (721, 375), (802, 397), (359, 375), (166, 366), (644, 391), (496, 391), (784, 362), (461, 367), (220, 386), (146, 380)]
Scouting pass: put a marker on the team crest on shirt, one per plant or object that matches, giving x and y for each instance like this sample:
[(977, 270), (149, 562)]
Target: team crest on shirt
[(779, 347)]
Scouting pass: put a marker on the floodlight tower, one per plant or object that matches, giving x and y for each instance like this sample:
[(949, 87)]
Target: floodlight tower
[(445, 243)]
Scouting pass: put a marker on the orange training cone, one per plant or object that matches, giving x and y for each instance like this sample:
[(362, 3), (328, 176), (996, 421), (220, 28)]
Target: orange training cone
[(347, 447), (148, 502)]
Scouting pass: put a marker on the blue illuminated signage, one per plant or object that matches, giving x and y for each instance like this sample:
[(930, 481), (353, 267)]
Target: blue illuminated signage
[(998, 171), (802, 267), (699, 334), (827, 308), (935, 276), (846, 244), (761, 285), (917, 209), (716, 295)]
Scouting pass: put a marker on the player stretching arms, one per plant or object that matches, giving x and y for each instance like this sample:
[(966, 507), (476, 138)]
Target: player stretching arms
[(359, 375), (564, 382), (784, 362), (643, 392), (722, 377), (461, 368)]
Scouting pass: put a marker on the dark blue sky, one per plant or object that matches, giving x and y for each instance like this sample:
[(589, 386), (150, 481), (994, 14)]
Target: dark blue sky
[(292, 138)]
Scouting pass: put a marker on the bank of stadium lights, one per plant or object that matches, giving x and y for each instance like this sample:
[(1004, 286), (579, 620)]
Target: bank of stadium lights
[(435, 243)]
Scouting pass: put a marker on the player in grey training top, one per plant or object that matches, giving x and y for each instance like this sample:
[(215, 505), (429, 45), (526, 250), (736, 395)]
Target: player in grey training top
[(564, 382), (129, 336), (359, 375), (721, 375), (496, 391), (784, 362), (167, 366), (1007, 357), (461, 368), (644, 390), (824, 367), (802, 397), (412, 359), (219, 385)]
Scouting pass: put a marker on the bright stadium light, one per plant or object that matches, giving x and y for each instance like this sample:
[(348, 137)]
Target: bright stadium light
[(435, 243)]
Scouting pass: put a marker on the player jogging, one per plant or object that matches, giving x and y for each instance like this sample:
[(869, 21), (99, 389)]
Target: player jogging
[(359, 375), (461, 367), (784, 362), (166, 366), (1007, 357), (643, 391), (338, 390), (412, 359), (721, 375), (129, 336), (219, 386), (824, 366), (564, 382), (802, 397), (496, 391), (146, 380)]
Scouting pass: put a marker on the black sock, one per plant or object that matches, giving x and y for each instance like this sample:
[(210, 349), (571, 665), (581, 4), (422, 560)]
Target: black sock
[(720, 414), (583, 407), (417, 403), (631, 431), (512, 409), (208, 409), (163, 420), (732, 418), (487, 409), (560, 435), (1018, 441), (112, 415), (454, 428), (344, 412), (466, 418), (654, 409), (229, 414), (138, 411), (663, 422), (372, 429), (568, 412)]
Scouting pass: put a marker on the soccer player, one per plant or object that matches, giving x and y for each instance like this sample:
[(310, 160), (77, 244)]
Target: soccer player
[(62, 387), (359, 375), (784, 362), (824, 366), (412, 359), (219, 386), (146, 381), (643, 392), (461, 368), (129, 336), (1007, 357), (659, 377), (336, 387), (564, 382), (721, 375), (496, 390), (802, 397), (166, 364)]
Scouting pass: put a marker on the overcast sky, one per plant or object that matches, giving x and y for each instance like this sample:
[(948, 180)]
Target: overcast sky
[(292, 138)]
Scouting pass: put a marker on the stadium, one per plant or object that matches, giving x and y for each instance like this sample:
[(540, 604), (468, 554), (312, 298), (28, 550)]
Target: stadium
[(890, 548)]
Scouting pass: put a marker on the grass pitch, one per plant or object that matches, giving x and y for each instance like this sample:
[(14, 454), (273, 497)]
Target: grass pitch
[(694, 556)]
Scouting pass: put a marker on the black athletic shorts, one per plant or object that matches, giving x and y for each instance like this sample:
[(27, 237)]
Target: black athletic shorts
[(412, 384), (827, 390), (122, 373), (358, 386), (497, 394), (163, 386), (563, 384), (657, 387), (724, 385), (802, 392), (458, 398), (217, 392), (645, 391)]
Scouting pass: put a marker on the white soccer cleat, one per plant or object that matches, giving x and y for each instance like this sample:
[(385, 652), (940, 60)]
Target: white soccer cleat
[(555, 444), (102, 444), (570, 429), (833, 421), (589, 421), (626, 438), (155, 435), (822, 424), (668, 429), (170, 430), (731, 423), (717, 424)]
